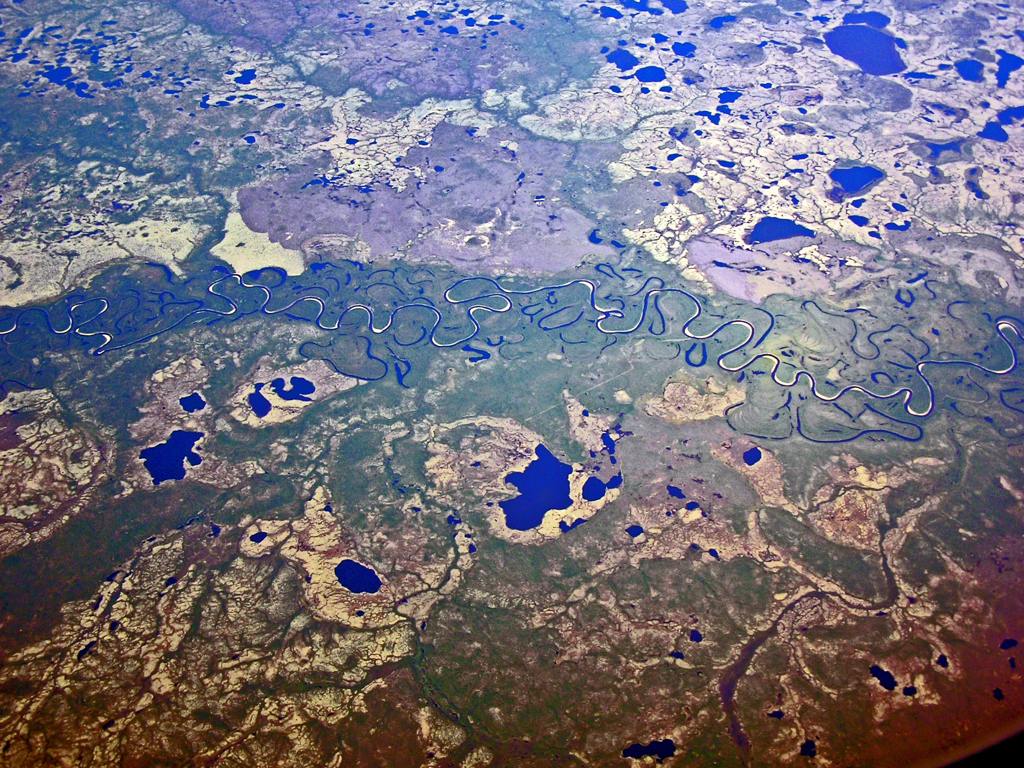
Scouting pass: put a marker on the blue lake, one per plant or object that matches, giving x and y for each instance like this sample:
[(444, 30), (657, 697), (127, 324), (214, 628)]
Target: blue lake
[(751, 457), (855, 178), (635, 530), (884, 678), (871, 18), (298, 390), (873, 51), (686, 50), (971, 70), (656, 749), (357, 578), (167, 460), (543, 486), (771, 228), (994, 132), (259, 404), (1008, 64), (192, 403), (593, 489), (650, 74), (622, 59)]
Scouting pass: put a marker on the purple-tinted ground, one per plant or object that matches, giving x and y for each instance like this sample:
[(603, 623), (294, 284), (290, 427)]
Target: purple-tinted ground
[(753, 275), (479, 204), (432, 53)]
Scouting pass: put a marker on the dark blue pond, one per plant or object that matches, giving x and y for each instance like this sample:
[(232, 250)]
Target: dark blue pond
[(1008, 64), (650, 74), (770, 228), (356, 577), (871, 18), (808, 749), (622, 59), (686, 50), (298, 390), (543, 486), (751, 457), (971, 69), (855, 178), (656, 749), (58, 75), (167, 460), (994, 132), (259, 404), (696, 637), (873, 51), (675, 493), (593, 489), (884, 678), (634, 530), (192, 403), (566, 527), (257, 537)]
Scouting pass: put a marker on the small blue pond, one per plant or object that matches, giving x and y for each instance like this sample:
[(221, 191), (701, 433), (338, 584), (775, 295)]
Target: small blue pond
[(873, 51), (675, 493), (770, 229), (167, 460), (855, 178), (634, 530), (298, 390), (192, 403), (543, 486), (752, 456), (356, 577)]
